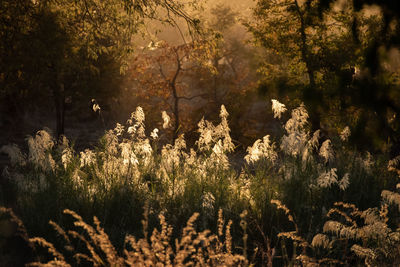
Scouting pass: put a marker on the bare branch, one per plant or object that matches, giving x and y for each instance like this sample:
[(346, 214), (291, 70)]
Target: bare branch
[(192, 97)]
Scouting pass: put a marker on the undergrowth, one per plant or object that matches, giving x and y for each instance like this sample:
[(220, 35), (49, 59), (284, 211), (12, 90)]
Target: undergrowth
[(307, 175)]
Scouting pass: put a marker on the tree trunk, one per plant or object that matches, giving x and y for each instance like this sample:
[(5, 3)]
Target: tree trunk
[(176, 111), (304, 49), (310, 96), (59, 101), (215, 84), (172, 85)]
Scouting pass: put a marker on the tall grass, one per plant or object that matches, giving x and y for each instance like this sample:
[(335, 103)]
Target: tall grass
[(131, 166), (90, 245)]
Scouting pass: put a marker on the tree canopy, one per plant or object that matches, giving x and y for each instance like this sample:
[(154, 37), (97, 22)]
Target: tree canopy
[(58, 48)]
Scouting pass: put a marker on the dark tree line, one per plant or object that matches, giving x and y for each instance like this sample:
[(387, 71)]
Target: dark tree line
[(327, 54), (55, 51)]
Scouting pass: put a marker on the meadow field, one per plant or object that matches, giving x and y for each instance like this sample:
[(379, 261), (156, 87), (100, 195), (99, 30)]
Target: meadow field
[(199, 133), (298, 200)]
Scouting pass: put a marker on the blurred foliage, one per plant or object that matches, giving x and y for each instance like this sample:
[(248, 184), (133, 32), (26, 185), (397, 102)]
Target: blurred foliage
[(321, 57)]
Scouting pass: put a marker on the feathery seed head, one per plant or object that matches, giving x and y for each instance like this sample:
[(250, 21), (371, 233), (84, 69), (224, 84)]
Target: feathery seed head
[(344, 182), (278, 108), (14, 153), (326, 151), (154, 134), (166, 120), (345, 134), (223, 114), (328, 178)]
